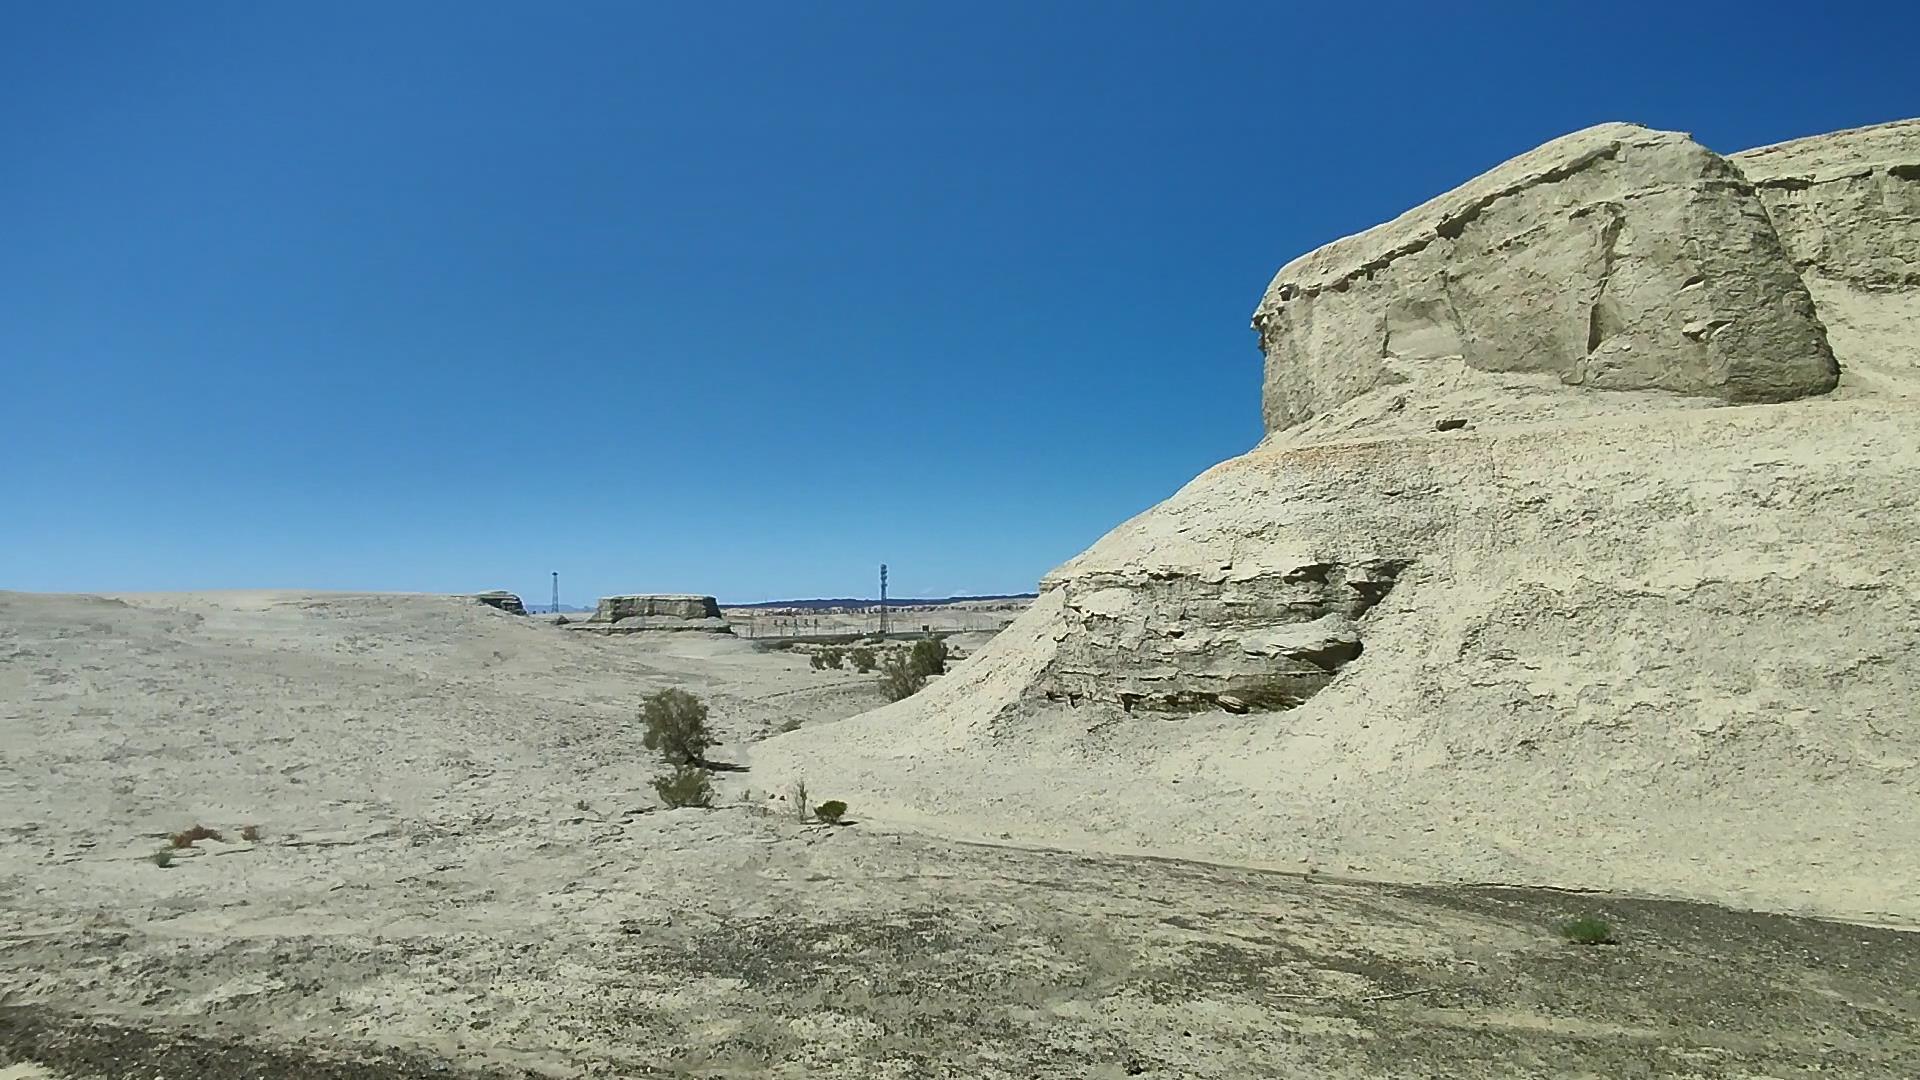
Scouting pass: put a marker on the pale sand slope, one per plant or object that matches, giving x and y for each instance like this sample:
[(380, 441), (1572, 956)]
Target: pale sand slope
[(425, 899), (1672, 655), (336, 711)]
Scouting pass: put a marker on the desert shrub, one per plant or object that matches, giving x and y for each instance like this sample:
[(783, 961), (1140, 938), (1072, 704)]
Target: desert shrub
[(790, 725), (862, 658), (1587, 930), (250, 833), (676, 727), (190, 837), (798, 796), (685, 786), (163, 858), (830, 811), (898, 679), (828, 659), (929, 656)]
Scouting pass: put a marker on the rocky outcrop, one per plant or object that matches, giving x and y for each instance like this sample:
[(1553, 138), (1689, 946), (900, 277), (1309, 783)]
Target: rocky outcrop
[(503, 600), (1265, 637), (655, 611), (1847, 206), (1608, 633), (1615, 258)]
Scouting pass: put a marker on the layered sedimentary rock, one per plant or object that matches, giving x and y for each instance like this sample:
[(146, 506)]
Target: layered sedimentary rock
[(1615, 258), (1643, 617), (655, 611)]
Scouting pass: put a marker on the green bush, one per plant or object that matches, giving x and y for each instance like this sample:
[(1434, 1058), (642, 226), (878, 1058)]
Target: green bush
[(828, 659), (685, 786), (830, 811), (1587, 930), (163, 858), (929, 657), (898, 679), (862, 658), (676, 727)]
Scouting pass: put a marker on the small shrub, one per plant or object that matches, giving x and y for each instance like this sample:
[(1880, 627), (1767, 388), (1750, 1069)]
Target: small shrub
[(830, 811), (250, 833), (1587, 930), (929, 657), (193, 836), (898, 679), (790, 725), (798, 796), (862, 658), (163, 858), (685, 786), (676, 727)]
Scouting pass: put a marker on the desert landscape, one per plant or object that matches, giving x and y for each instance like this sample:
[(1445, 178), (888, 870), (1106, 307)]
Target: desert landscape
[(1534, 701)]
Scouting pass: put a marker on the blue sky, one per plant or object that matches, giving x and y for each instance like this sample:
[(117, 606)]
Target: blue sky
[(734, 298)]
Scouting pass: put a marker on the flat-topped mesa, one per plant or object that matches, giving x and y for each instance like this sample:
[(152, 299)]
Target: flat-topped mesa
[(1614, 258), (639, 612)]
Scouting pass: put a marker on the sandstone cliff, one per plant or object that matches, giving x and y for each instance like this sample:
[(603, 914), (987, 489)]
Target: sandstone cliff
[(1642, 618)]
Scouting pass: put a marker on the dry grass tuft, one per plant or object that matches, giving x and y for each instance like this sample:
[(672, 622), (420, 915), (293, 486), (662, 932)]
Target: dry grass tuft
[(192, 836)]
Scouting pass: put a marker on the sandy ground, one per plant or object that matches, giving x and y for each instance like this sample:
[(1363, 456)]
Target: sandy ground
[(462, 871)]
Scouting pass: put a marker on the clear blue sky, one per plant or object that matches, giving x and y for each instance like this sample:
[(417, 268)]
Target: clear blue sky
[(733, 298)]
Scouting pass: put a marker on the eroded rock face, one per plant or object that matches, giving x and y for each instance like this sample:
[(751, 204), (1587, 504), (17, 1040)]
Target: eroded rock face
[(1846, 205), (1269, 638), (1615, 258), (655, 611)]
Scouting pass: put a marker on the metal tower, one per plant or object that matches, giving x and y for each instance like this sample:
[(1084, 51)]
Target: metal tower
[(883, 599), (556, 592)]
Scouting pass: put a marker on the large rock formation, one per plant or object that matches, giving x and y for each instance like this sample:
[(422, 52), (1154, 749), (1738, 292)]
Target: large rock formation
[(1615, 258), (1617, 627), (655, 611)]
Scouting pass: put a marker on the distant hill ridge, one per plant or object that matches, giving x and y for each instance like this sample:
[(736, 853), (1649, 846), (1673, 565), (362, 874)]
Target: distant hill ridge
[(892, 601)]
